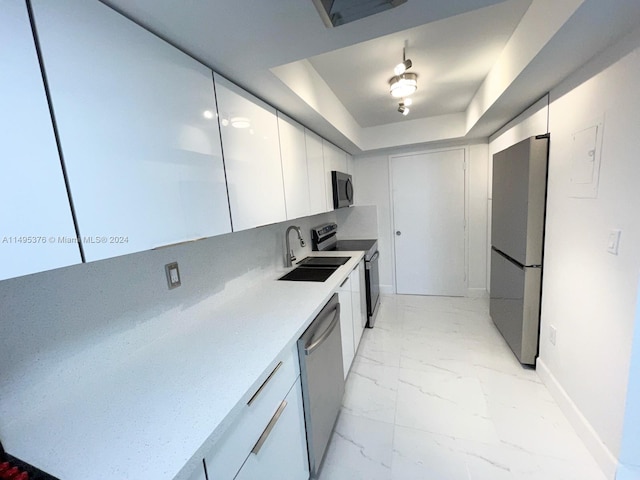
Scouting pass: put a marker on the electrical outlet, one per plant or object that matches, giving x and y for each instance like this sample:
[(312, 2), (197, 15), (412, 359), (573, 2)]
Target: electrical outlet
[(173, 275), (552, 334)]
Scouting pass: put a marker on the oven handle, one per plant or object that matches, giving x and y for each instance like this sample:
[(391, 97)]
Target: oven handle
[(372, 259)]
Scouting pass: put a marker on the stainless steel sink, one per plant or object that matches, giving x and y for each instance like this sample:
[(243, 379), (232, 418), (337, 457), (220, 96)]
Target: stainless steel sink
[(316, 262), (309, 274), (315, 269)]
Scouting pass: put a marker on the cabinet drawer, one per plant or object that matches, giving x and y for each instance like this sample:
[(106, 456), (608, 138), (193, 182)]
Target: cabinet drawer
[(283, 451), (231, 451)]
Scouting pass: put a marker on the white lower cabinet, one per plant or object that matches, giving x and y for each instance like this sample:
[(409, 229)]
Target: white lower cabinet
[(353, 314), (235, 447), (281, 450), (346, 325), (359, 303)]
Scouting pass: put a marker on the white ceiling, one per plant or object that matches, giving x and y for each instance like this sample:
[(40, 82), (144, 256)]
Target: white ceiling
[(451, 57), (480, 62)]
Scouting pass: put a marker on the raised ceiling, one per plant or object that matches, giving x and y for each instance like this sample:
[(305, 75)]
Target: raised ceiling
[(480, 62), (451, 57)]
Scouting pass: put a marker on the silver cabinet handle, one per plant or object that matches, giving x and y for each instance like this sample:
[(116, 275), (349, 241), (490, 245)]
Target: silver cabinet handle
[(270, 425), (255, 395), (398, 233)]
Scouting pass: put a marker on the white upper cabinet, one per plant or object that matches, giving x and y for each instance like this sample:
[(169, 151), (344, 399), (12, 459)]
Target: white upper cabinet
[(35, 217), (350, 165), (249, 130), (294, 167), (138, 130), (334, 159), (315, 167)]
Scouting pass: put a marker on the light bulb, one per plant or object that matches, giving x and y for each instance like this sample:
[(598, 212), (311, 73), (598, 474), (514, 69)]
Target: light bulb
[(407, 101), (403, 85), (405, 112)]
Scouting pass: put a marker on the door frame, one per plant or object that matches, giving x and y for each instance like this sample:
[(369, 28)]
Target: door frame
[(466, 152)]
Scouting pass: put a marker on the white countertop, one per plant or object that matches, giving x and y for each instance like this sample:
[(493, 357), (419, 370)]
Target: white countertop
[(148, 402)]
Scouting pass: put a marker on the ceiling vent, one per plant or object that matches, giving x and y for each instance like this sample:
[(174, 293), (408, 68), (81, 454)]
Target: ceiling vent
[(339, 12)]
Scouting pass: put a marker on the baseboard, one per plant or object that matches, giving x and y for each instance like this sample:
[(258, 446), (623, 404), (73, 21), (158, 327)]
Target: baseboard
[(477, 293), (601, 454), (387, 289), (471, 292)]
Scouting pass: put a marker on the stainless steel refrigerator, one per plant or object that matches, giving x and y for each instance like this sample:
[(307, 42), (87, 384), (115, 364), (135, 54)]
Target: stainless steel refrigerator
[(517, 241)]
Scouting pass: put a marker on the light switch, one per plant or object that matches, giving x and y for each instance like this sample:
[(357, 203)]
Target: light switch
[(614, 241), (173, 275)]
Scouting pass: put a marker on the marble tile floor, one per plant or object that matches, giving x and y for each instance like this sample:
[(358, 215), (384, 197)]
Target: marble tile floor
[(436, 394)]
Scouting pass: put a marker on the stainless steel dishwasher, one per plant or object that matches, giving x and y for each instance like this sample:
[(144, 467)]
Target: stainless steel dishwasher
[(320, 353)]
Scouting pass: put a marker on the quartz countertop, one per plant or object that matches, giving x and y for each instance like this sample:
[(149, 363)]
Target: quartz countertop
[(147, 403)]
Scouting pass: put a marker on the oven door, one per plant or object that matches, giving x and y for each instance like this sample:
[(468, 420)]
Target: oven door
[(372, 278)]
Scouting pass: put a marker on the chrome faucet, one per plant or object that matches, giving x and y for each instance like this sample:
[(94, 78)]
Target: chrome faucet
[(289, 257)]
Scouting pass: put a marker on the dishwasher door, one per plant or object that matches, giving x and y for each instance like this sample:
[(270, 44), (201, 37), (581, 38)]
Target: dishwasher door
[(320, 354)]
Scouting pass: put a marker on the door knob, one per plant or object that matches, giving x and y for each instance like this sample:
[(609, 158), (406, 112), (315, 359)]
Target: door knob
[(398, 232)]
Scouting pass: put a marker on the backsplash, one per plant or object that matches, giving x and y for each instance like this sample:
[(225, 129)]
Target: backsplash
[(51, 316)]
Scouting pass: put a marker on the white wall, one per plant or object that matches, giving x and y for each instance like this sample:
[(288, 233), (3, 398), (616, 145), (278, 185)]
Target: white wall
[(589, 295), (373, 188), (49, 316)]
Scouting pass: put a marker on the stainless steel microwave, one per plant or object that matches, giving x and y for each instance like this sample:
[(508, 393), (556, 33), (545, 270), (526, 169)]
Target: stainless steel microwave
[(342, 189)]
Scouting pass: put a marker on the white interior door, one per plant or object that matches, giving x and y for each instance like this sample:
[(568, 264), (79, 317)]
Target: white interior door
[(429, 223)]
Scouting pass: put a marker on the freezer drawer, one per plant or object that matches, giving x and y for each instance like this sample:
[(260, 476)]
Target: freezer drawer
[(515, 305)]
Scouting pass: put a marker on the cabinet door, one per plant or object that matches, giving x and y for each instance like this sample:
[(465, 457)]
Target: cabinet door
[(138, 130), (350, 164), (294, 167), (249, 130), (358, 302), (226, 458), (283, 451), (334, 159), (317, 181), (346, 325), (36, 226)]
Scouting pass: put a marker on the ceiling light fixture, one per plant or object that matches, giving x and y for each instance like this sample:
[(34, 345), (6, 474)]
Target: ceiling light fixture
[(403, 84), (404, 66), (403, 109)]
